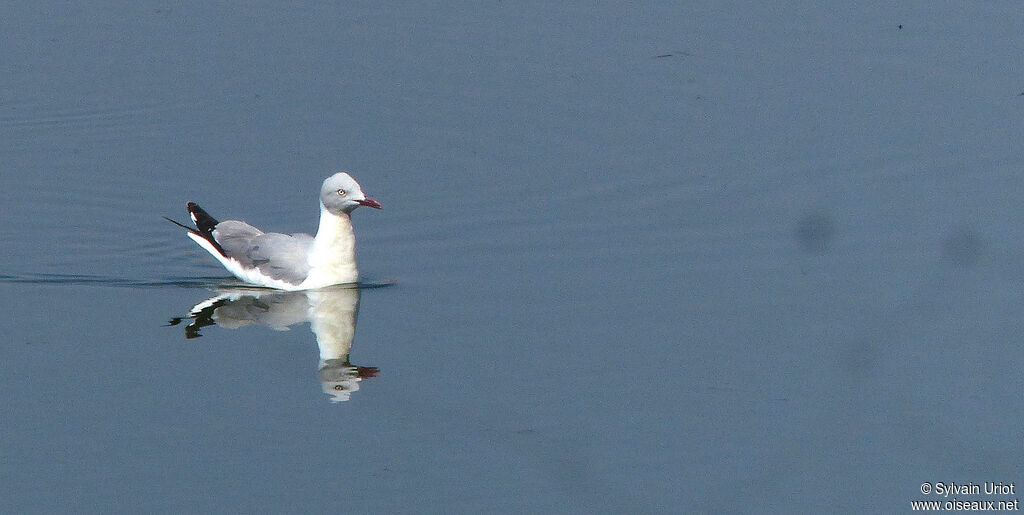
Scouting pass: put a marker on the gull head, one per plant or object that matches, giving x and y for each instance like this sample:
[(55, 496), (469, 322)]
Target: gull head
[(341, 194)]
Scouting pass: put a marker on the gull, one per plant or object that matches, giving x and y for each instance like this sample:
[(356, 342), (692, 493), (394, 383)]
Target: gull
[(289, 261)]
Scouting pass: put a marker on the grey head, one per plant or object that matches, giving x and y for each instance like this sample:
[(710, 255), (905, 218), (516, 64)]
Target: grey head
[(341, 194)]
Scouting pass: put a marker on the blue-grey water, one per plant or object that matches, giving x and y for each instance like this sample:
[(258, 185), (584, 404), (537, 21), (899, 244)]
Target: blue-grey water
[(635, 258)]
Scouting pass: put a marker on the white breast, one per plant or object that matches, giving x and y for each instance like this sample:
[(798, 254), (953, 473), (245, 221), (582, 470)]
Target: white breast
[(333, 257)]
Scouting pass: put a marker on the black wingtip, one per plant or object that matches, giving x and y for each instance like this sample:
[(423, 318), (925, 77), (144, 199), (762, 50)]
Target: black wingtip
[(204, 222), (204, 225), (179, 224)]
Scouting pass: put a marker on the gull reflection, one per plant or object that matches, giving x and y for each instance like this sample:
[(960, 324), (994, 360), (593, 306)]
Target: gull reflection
[(331, 313)]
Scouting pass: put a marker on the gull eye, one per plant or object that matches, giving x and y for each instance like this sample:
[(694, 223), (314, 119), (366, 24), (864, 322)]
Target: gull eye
[(342, 193)]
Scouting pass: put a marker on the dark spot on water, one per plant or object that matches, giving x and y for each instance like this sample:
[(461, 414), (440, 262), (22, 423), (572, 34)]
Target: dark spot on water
[(899, 27), (963, 247), (815, 231), (681, 53)]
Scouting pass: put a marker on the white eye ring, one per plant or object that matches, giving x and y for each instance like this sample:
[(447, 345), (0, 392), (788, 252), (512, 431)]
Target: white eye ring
[(342, 193)]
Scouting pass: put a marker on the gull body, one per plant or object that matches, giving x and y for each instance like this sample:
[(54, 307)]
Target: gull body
[(289, 261)]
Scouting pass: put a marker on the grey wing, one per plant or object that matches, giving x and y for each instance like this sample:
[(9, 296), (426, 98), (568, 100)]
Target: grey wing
[(282, 256), (236, 238), (278, 256)]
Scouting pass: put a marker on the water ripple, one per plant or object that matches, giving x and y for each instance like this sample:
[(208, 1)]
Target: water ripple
[(208, 282)]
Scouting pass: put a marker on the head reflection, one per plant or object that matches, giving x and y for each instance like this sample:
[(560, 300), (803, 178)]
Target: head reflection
[(331, 313)]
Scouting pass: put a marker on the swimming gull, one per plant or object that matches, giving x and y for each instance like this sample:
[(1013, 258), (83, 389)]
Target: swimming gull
[(289, 261)]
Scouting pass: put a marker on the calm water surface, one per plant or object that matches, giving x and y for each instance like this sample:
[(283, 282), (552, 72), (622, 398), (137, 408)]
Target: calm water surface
[(717, 257)]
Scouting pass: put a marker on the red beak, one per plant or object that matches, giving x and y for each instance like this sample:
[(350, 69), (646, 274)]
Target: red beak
[(369, 202)]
